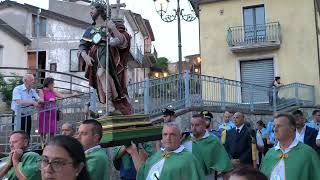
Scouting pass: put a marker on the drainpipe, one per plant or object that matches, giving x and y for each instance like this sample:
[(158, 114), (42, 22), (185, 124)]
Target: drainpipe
[(144, 48), (199, 36), (317, 34), (37, 43), (134, 50)]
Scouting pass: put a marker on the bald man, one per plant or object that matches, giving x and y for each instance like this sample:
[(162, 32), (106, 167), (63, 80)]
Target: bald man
[(238, 142)]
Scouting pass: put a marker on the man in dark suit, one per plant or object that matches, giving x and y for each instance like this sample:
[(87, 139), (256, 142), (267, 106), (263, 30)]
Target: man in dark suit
[(238, 142), (305, 133)]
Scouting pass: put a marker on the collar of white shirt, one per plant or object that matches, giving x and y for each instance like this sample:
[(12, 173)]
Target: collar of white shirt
[(23, 87), (204, 136), (179, 150), (294, 143), (303, 130), (92, 149), (240, 128), (300, 135)]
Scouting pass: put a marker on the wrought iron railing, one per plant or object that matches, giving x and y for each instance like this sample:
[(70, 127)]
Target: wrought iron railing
[(63, 81), (259, 34), (182, 91), (191, 90), (46, 120), (295, 94)]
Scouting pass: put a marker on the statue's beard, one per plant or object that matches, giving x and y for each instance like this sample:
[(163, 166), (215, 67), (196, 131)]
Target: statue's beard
[(95, 16)]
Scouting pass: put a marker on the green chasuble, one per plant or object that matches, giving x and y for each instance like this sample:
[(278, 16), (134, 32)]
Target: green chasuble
[(97, 163), (28, 167), (300, 163), (210, 153), (179, 164)]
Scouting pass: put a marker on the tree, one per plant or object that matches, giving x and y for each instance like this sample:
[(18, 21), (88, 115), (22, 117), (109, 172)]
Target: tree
[(6, 87), (162, 63)]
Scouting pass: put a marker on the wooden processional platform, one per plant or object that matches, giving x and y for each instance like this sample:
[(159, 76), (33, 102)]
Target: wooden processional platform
[(121, 130)]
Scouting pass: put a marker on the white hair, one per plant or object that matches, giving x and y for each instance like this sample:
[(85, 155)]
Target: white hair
[(173, 124), (27, 76), (70, 125)]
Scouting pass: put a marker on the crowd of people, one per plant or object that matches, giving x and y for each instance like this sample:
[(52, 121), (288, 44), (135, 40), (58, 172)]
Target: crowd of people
[(25, 99), (285, 148), (236, 152)]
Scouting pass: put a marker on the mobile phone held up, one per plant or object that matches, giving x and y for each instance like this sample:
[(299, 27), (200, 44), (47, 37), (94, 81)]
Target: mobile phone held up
[(187, 133)]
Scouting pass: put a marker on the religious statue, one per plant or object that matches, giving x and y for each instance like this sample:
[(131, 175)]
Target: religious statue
[(92, 52)]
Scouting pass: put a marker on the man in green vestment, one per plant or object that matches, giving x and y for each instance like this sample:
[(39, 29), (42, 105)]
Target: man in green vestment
[(206, 148), (20, 164), (89, 135), (173, 162), (290, 159)]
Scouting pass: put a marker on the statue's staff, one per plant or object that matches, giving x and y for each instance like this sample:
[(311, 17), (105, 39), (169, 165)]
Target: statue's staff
[(109, 18), (108, 12)]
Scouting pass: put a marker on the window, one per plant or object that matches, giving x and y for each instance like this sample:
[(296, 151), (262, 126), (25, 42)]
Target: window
[(259, 72), (53, 67), (42, 26), (75, 65), (254, 23)]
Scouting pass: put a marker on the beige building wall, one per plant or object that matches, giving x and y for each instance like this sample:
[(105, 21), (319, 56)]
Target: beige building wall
[(295, 61), (13, 54)]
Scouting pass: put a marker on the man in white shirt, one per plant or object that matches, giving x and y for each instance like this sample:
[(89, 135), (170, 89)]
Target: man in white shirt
[(304, 133), (315, 121), (318, 139), (24, 99)]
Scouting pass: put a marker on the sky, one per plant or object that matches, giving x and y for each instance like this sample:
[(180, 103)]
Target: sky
[(166, 34)]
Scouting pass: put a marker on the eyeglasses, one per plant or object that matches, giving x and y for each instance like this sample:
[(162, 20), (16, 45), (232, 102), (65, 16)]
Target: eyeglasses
[(55, 164)]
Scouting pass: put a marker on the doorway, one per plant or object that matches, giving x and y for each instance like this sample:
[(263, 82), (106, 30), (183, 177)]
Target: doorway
[(41, 64)]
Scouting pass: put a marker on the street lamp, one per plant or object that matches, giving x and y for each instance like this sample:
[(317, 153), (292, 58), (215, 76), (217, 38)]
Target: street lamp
[(198, 60), (161, 8)]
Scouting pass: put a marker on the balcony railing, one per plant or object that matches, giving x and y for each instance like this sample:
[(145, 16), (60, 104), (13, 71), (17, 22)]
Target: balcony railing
[(253, 37), (137, 53)]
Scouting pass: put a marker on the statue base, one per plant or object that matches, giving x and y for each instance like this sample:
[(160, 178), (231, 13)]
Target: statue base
[(121, 130)]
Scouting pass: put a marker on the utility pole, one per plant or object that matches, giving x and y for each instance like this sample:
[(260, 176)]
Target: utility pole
[(37, 43)]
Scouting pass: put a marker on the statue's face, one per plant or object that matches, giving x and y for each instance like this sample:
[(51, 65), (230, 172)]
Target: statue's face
[(94, 13)]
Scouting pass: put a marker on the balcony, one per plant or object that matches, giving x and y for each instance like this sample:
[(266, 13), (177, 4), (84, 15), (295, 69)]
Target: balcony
[(150, 56), (135, 58), (254, 38)]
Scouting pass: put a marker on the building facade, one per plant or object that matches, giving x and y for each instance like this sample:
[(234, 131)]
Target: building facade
[(60, 30), (255, 40)]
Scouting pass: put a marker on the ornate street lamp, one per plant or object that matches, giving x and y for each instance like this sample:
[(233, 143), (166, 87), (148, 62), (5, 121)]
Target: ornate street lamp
[(161, 8)]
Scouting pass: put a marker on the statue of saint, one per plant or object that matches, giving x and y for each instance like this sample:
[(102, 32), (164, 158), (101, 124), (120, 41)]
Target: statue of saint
[(92, 53)]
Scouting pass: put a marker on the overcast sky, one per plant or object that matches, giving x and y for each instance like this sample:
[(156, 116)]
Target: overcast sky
[(166, 36)]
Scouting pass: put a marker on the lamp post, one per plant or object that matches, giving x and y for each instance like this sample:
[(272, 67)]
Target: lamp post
[(161, 8)]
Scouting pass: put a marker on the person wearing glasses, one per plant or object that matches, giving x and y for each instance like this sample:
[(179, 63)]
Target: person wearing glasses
[(63, 158), (20, 164)]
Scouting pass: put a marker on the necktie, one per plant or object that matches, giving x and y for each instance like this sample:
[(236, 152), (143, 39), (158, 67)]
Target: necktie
[(224, 133), (238, 131)]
